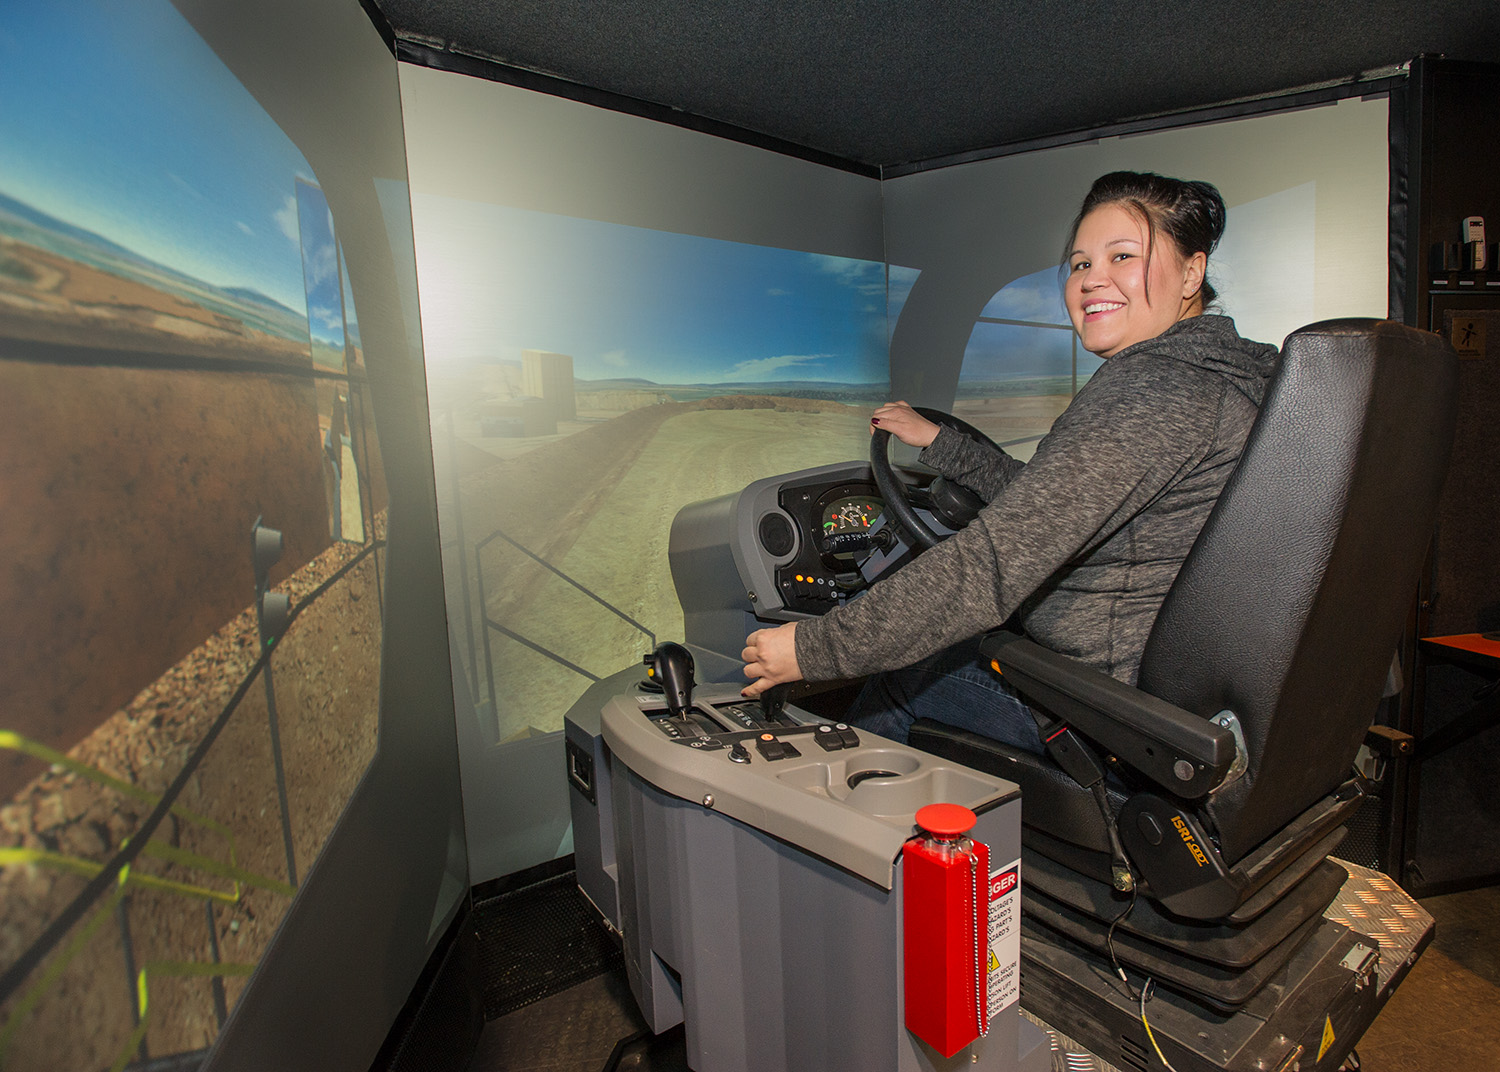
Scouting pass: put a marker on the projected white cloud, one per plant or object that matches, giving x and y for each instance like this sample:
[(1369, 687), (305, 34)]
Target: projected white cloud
[(767, 368)]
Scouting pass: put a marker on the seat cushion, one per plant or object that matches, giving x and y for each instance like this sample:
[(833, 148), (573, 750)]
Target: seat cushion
[(1230, 945)]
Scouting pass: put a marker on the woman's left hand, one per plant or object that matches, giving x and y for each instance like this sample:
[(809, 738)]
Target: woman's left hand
[(905, 423), (771, 658)]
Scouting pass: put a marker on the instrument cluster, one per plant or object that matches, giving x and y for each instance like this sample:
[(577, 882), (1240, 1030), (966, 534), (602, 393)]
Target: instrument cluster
[(836, 525)]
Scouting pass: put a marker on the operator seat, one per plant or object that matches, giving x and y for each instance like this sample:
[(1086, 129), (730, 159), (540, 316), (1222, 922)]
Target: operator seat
[(1229, 769)]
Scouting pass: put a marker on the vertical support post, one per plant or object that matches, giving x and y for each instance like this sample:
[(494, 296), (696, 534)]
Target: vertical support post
[(266, 546), (367, 493), (489, 666), (221, 1006)]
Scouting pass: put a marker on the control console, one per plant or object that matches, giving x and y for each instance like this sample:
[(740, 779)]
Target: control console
[(788, 547), (734, 726), (837, 525), (751, 857)]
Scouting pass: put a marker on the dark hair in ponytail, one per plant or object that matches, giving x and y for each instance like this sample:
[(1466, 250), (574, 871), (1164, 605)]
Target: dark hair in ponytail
[(1191, 214)]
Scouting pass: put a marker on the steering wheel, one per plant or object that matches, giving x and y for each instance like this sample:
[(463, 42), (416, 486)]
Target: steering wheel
[(953, 504)]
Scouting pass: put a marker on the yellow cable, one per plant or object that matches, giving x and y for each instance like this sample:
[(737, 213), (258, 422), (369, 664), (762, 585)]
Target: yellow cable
[(232, 871), (36, 750), (127, 877), (1149, 1034), (90, 868)]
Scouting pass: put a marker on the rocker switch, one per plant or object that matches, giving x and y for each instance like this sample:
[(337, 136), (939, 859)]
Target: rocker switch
[(773, 748)]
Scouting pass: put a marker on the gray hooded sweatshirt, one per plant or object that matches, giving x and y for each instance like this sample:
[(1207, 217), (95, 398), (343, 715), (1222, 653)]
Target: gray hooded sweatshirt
[(1083, 541)]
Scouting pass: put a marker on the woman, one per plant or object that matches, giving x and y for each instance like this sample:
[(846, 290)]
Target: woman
[(1082, 542)]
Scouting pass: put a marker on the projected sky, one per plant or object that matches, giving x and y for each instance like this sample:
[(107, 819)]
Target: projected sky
[(133, 148), (627, 302), (999, 352), (1036, 297)]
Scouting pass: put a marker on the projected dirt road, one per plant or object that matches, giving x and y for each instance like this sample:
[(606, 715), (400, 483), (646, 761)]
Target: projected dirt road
[(599, 507)]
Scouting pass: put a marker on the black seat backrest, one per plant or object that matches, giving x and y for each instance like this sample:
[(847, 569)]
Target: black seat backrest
[(1293, 599)]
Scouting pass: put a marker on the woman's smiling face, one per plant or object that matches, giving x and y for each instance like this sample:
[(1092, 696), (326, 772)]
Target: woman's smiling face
[(1121, 287)]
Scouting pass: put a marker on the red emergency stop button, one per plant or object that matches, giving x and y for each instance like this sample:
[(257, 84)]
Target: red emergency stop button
[(946, 820)]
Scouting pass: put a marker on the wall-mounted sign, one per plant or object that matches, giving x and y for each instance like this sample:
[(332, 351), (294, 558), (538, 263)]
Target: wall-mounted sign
[(1466, 332)]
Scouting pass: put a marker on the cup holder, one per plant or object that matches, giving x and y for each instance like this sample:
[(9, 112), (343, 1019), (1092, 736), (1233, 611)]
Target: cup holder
[(889, 782), (864, 775), (885, 781), (880, 763)]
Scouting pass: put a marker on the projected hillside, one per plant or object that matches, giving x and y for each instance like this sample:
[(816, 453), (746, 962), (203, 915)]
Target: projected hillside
[(65, 284)]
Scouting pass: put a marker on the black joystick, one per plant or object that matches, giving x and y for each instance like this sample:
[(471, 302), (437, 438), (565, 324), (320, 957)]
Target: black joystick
[(671, 667), (772, 701)]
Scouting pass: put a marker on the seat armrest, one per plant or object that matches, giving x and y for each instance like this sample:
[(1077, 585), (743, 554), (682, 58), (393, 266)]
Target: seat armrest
[(1156, 738)]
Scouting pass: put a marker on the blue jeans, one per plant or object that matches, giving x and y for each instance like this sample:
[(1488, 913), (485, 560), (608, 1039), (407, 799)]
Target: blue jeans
[(956, 686)]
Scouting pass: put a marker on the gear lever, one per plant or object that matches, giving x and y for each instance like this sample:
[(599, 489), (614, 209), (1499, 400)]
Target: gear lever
[(772, 701), (671, 667)]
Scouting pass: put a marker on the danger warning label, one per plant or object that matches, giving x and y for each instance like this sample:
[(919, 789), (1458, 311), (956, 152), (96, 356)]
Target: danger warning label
[(1005, 938)]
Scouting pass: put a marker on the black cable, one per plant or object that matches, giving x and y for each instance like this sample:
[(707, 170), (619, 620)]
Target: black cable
[(1121, 875), (338, 574), (1109, 944)]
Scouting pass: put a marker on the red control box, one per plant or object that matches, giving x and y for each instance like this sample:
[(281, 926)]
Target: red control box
[(946, 929)]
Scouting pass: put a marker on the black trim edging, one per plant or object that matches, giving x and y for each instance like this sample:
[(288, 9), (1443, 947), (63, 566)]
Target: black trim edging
[(438, 59)]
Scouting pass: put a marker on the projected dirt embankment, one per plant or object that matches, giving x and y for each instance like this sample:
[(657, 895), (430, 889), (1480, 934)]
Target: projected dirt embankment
[(147, 422)]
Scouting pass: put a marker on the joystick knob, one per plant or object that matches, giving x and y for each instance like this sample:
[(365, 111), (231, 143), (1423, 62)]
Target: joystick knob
[(772, 701), (671, 667)]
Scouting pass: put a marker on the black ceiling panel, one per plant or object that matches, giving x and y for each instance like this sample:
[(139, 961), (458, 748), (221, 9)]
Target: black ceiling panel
[(886, 82)]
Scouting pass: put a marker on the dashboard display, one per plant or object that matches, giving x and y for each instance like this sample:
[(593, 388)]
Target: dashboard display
[(855, 513), (835, 514)]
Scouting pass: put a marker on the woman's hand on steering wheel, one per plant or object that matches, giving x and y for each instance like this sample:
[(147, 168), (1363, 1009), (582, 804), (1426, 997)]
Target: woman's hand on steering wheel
[(951, 503), (905, 423)]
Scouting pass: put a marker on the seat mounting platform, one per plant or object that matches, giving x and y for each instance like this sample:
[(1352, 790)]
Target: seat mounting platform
[(1309, 1017)]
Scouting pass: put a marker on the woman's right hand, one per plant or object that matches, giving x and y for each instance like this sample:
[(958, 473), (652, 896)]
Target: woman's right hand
[(905, 423), (770, 658)]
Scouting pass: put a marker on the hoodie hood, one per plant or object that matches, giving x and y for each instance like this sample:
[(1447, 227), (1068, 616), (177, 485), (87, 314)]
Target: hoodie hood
[(1210, 342)]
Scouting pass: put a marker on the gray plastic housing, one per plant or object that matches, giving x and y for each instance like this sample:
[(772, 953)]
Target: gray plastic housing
[(724, 576), (761, 902), (590, 800), (806, 801), (725, 580)]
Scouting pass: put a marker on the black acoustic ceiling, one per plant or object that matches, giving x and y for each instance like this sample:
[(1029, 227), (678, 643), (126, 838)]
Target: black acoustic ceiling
[(893, 82)]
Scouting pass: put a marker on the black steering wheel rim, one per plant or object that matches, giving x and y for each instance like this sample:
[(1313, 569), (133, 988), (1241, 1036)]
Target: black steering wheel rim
[(893, 489)]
